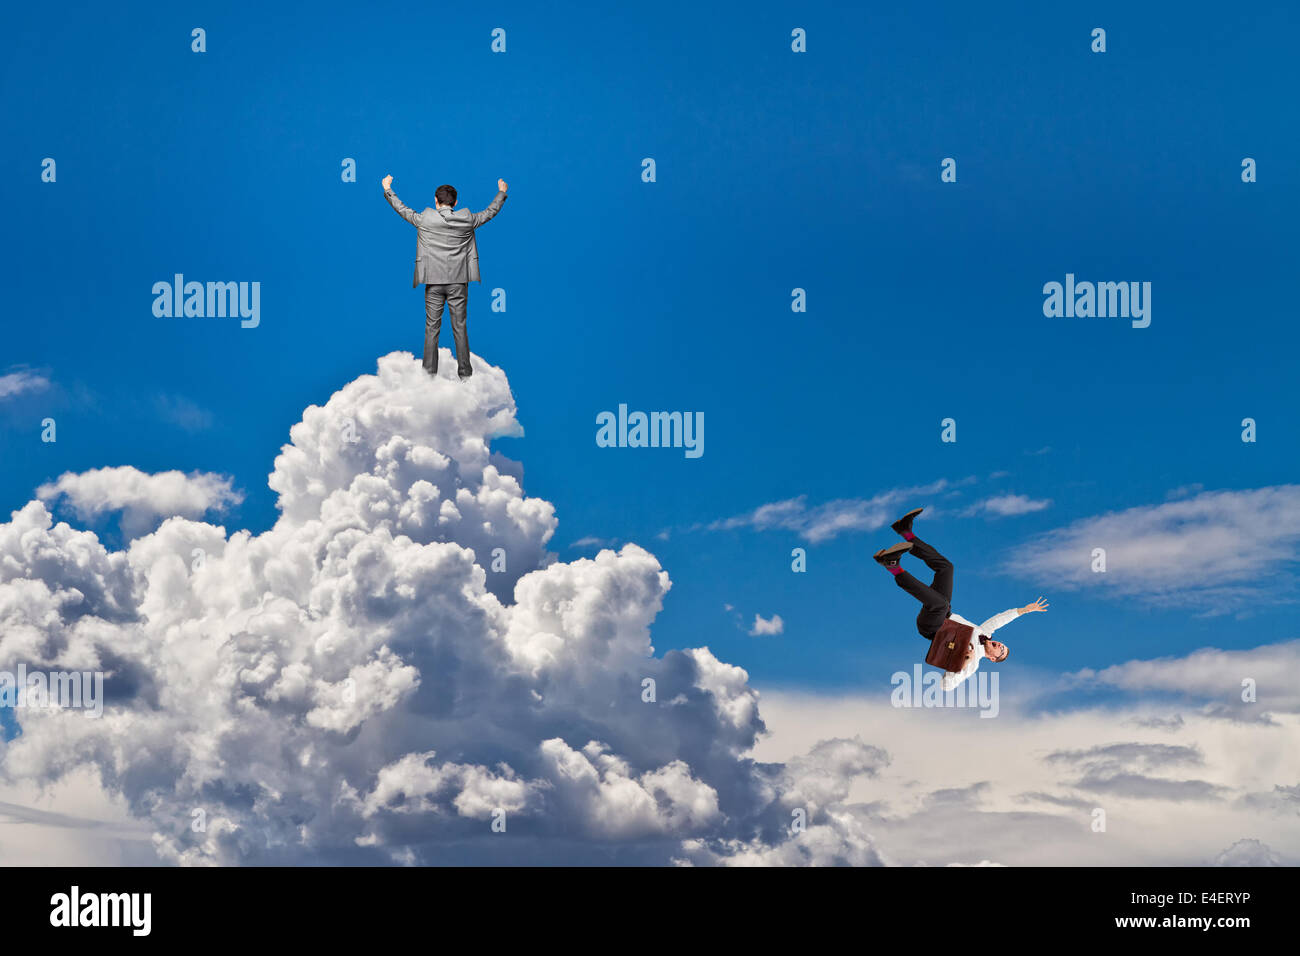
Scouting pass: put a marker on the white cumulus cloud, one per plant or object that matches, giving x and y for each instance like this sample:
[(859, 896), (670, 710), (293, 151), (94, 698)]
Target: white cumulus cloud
[(762, 625), (394, 668), (142, 498)]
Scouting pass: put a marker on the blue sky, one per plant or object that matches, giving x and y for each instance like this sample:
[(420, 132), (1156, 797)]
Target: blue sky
[(774, 171)]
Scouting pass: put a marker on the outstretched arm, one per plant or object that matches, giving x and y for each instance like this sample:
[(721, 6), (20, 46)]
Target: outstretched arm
[(1006, 617), (478, 218), (407, 213)]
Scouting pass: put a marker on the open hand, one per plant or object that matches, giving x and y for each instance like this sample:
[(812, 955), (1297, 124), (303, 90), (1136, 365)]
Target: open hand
[(388, 182), (501, 185), (1039, 605)]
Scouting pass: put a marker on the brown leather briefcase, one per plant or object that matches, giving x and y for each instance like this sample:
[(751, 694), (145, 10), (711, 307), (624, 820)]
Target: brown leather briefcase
[(949, 646)]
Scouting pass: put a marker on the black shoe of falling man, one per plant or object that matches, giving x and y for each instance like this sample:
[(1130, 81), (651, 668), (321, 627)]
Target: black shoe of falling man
[(888, 557), (904, 524)]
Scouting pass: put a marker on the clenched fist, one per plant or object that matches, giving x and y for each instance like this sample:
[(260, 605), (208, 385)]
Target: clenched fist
[(501, 185), (388, 181)]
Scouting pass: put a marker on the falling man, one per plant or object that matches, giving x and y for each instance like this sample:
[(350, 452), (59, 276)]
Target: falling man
[(936, 607), (446, 261)]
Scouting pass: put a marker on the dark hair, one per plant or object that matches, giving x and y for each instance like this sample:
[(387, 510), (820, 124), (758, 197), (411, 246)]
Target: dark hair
[(446, 195)]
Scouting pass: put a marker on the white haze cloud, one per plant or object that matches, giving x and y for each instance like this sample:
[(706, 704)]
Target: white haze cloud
[(17, 382), (1186, 782), (817, 523), (1007, 506), (1247, 852), (395, 664), (1216, 551)]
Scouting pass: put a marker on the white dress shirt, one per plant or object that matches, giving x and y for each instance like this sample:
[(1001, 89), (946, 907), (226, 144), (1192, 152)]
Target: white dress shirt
[(952, 678)]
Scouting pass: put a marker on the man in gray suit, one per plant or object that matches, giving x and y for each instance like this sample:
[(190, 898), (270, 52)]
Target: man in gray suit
[(446, 262)]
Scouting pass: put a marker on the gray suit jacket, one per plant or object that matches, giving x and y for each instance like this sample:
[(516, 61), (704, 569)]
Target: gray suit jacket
[(445, 250)]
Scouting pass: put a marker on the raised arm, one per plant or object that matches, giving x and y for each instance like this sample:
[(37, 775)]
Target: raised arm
[(478, 218), (407, 213), (1006, 617)]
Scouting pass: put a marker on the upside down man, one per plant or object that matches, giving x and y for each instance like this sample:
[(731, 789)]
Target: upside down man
[(936, 600)]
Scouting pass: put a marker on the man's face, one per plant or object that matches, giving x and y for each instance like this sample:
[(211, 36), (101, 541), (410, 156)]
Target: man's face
[(996, 650)]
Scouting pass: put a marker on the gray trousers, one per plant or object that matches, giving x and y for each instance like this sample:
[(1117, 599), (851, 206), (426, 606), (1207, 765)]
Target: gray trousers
[(456, 296)]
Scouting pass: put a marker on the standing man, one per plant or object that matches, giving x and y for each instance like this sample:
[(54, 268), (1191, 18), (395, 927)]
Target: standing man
[(446, 262)]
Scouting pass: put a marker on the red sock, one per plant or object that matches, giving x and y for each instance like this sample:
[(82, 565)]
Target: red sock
[(894, 570), (908, 535)]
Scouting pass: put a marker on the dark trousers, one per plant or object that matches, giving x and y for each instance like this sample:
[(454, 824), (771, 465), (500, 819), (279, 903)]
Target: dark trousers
[(456, 296), (936, 600)]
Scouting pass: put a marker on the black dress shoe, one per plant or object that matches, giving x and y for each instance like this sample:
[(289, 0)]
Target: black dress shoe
[(888, 557), (904, 524)]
